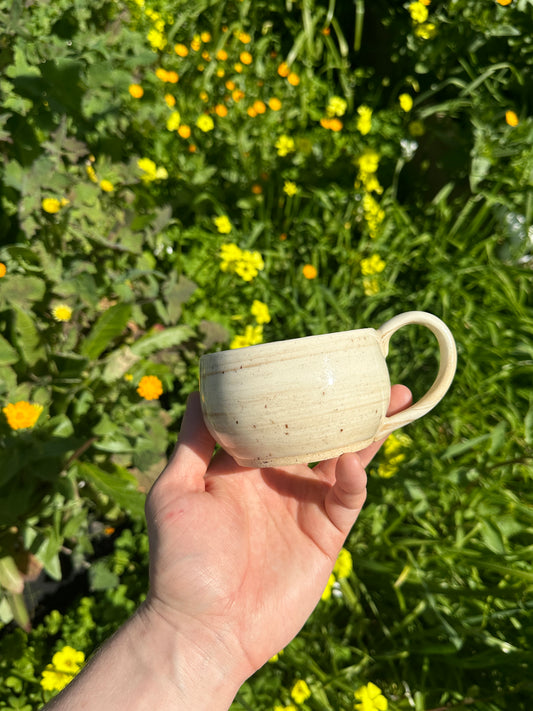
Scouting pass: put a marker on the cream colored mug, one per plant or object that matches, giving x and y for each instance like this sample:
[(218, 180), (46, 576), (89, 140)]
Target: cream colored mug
[(313, 398)]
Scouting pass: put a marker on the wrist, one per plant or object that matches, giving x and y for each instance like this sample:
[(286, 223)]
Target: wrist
[(200, 666)]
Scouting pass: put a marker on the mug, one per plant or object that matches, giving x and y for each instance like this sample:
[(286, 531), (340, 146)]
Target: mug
[(312, 398)]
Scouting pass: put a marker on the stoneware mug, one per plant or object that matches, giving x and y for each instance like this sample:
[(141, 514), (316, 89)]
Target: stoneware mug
[(313, 398)]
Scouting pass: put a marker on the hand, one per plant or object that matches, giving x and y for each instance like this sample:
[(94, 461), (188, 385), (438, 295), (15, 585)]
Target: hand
[(243, 555)]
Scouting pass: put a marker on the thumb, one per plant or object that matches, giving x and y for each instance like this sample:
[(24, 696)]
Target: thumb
[(188, 464), (346, 497)]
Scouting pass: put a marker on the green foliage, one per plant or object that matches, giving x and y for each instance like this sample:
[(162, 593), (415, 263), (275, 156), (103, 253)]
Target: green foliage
[(139, 138)]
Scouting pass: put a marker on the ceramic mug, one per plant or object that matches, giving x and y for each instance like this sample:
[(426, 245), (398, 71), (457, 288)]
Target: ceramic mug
[(313, 398)]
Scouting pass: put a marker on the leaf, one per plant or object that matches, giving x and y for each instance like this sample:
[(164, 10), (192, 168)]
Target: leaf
[(118, 364), (161, 339), (110, 325), (29, 341), (10, 576), (8, 354), (21, 290), (120, 486), (459, 448), (176, 294), (101, 578)]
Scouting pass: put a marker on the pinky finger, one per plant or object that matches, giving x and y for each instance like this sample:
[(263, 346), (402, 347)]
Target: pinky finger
[(346, 497)]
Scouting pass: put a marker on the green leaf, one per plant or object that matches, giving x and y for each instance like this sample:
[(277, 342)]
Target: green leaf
[(10, 576), (101, 578), (29, 341), (21, 290), (8, 354), (110, 325), (118, 363), (161, 339), (120, 486)]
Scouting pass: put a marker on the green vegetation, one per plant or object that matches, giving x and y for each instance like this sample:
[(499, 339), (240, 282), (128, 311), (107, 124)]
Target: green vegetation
[(178, 177)]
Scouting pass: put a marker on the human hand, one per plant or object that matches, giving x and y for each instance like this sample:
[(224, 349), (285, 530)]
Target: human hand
[(241, 556)]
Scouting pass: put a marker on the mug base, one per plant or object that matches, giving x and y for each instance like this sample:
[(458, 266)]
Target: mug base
[(308, 458)]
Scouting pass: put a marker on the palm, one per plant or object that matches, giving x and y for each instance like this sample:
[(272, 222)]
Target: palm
[(249, 550)]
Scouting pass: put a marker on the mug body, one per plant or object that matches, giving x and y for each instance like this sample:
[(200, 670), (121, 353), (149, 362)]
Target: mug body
[(300, 400)]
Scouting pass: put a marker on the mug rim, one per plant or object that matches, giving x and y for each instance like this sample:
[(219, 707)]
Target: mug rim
[(272, 345)]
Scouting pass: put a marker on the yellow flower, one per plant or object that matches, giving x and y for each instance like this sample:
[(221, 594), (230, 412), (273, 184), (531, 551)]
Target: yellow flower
[(242, 262), (344, 564), (426, 31), (300, 692), (244, 37), (156, 39), (181, 50), (329, 587), (285, 145), (368, 162), (222, 224), (3, 269), (107, 186), (150, 387), (238, 67), (274, 103), (418, 11), (128, 377), (136, 91), (205, 123), (290, 188), (370, 286), (336, 106), (246, 58), (364, 122), (251, 337), (51, 205), (309, 271), (370, 698), (260, 311), (372, 265), (406, 102), (394, 454), (221, 55), (64, 667), (259, 106), (173, 121), (511, 118), (62, 312), (91, 173), (237, 95), (22, 414), (170, 101), (196, 43), (373, 213), (504, 2), (151, 171), (205, 37)]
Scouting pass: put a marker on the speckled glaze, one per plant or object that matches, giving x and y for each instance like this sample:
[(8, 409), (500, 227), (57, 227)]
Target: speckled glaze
[(313, 398)]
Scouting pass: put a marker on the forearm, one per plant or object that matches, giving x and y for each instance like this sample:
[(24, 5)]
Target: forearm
[(143, 667)]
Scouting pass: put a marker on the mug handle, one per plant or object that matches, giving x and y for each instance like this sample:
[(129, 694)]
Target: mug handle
[(448, 364)]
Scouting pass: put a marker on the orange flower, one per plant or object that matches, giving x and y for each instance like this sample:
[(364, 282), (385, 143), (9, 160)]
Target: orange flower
[(150, 387), (3, 269), (245, 57), (181, 50), (293, 79), (184, 131), (504, 2), (259, 107), (283, 69), (21, 415), (221, 110), (309, 271), (257, 189), (222, 55), (136, 91), (274, 103), (511, 118)]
